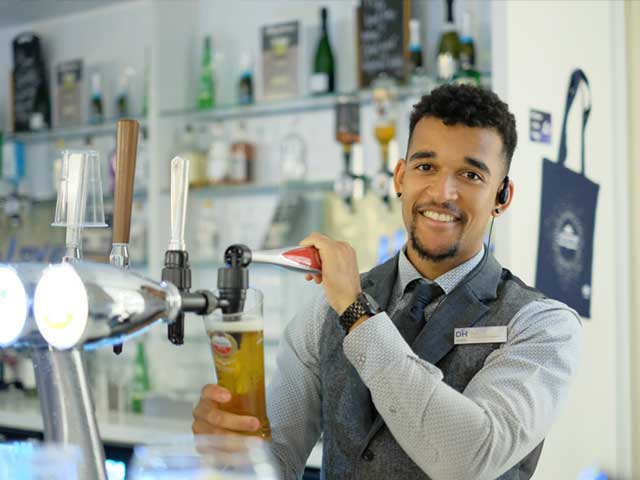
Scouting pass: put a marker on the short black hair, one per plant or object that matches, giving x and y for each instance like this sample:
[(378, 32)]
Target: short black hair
[(470, 106)]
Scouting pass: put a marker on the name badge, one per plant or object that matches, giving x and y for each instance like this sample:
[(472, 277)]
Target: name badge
[(462, 336)]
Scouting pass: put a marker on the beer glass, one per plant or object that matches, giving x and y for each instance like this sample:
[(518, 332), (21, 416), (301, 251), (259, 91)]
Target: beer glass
[(200, 457), (236, 341)]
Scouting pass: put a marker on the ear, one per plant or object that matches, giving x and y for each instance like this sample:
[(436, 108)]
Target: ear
[(398, 174), (499, 208)]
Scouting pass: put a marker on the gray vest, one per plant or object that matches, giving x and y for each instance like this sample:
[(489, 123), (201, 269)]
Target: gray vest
[(356, 442)]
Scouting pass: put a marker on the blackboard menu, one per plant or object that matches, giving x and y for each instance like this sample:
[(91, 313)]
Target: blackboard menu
[(32, 110), (382, 39)]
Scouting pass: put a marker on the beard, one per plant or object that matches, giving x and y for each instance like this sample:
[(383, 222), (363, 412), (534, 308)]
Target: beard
[(425, 253)]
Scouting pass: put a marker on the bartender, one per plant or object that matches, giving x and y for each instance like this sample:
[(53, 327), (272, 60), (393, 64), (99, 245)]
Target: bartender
[(438, 363)]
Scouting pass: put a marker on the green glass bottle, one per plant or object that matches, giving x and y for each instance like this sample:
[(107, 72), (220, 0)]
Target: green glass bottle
[(141, 383), (206, 93), (323, 77), (448, 48)]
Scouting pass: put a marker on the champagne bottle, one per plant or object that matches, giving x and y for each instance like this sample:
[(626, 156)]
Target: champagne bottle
[(468, 73), (415, 46), (448, 48), (206, 94), (323, 78)]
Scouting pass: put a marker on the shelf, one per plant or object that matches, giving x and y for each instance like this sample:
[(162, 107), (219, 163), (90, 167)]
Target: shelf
[(69, 133), (289, 105), (261, 189), (106, 199)]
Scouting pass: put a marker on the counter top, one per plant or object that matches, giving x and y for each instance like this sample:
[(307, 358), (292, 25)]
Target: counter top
[(23, 413)]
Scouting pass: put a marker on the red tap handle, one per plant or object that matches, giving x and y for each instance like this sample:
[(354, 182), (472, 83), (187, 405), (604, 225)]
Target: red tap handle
[(307, 256)]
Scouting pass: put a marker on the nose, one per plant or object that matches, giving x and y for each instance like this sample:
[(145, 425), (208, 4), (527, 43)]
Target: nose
[(443, 188)]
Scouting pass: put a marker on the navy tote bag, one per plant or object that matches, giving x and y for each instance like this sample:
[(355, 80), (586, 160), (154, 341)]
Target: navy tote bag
[(567, 220)]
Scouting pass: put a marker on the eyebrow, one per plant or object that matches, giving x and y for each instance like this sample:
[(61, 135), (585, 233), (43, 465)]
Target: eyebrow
[(422, 154), (474, 162), (479, 164)]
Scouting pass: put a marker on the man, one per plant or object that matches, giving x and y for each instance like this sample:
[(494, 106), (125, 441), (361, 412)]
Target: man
[(460, 369)]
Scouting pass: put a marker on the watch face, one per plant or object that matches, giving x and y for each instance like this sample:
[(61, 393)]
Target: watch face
[(369, 303)]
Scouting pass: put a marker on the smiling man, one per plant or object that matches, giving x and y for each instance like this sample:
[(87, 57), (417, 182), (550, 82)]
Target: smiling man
[(438, 363)]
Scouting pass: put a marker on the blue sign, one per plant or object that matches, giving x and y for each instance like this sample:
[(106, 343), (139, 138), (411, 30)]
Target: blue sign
[(540, 126)]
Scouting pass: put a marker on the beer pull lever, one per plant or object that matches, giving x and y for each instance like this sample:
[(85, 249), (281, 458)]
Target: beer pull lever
[(126, 153)]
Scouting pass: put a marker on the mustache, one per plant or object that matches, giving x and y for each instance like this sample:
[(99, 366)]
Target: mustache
[(450, 207)]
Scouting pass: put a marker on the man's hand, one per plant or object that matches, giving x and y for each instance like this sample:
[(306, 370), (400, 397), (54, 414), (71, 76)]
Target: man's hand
[(209, 419), (340, 276)]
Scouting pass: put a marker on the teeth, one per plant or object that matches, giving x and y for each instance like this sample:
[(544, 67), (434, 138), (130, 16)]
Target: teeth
[(440, 217)]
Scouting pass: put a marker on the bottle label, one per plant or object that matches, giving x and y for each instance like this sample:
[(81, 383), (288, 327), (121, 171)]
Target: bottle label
[(238, 170), (447, 66), (320, 83)]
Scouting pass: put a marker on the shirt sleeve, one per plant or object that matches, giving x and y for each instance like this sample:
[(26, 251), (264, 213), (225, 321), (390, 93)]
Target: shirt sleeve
[(506, 409), (293, 396)]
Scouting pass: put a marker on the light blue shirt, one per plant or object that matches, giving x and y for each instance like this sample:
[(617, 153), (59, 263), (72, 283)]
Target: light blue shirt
[(505, 411)]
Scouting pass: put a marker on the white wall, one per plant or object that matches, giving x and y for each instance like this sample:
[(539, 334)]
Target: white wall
[(633, 73), (538, 43)]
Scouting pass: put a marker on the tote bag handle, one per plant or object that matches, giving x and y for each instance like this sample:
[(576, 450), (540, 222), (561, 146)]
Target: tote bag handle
[(577, 77)]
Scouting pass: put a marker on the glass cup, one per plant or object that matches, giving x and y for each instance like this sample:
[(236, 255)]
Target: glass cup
[(204, 456), (79, 201), (237, 341), (37, 461)]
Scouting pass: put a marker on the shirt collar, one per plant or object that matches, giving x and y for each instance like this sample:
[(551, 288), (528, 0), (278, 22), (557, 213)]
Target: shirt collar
[(447, 281)]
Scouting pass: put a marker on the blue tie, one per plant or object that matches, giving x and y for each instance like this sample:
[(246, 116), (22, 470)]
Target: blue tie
[(412, 319)]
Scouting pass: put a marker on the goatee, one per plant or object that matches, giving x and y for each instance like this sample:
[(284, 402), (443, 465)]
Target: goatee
[(424, 253)]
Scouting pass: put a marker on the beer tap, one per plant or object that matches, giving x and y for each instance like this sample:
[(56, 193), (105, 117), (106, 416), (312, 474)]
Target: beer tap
[(126, 153)]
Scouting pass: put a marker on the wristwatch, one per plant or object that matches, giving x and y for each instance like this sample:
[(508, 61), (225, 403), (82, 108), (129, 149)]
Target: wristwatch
[(364, 305)]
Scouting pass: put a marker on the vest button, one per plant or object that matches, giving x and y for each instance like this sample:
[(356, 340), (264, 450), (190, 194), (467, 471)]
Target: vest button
[(368, 455)]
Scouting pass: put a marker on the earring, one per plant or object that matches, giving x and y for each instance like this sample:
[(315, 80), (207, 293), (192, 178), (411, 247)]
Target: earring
[(497, 211), (398, 194)]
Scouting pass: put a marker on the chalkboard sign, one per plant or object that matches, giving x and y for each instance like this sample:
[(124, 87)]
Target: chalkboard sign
[(383, 37), (32, 110)]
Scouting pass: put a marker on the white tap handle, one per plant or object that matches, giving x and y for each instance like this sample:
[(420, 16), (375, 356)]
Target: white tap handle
[(179, 194)]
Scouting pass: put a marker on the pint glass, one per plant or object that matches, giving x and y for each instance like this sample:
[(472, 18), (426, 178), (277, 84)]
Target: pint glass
[(236, 341)]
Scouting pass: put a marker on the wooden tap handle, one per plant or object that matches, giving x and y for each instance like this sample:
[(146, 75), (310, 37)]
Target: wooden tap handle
[(126, 152)]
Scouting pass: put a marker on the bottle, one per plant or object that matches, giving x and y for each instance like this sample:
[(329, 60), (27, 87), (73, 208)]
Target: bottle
[(468, 73), (141, 383), (323, 78), (448, 48), (217, 154), (245, 84), (96, 114), (241, 167), (206, 94), (122, 99), (415, 46)]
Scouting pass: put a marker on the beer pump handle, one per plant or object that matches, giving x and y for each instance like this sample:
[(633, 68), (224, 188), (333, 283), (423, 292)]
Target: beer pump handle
[(126, 150), (176, 259), (179, 195)]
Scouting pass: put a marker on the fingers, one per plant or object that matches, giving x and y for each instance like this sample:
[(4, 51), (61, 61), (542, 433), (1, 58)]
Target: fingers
[(208, 412), (216, 393)]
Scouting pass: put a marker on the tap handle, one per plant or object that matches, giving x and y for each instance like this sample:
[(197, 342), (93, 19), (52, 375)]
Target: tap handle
[(126, 150), (179, 195)]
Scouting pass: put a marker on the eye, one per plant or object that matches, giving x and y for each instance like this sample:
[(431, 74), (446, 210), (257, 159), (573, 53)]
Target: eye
[(424, 167), (473, 176)]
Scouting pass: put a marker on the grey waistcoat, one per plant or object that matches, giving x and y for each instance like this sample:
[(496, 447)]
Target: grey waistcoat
[(356, 442)]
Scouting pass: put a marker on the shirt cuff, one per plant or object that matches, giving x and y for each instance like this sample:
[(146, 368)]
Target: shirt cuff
[(376, 345)]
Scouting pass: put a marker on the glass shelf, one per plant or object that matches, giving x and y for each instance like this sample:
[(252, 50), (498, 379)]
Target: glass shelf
[(289, 105), (78, 132), (223, 190), (141, 195)]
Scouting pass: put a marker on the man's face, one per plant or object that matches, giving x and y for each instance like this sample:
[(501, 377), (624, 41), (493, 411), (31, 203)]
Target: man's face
[(449, 183)]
